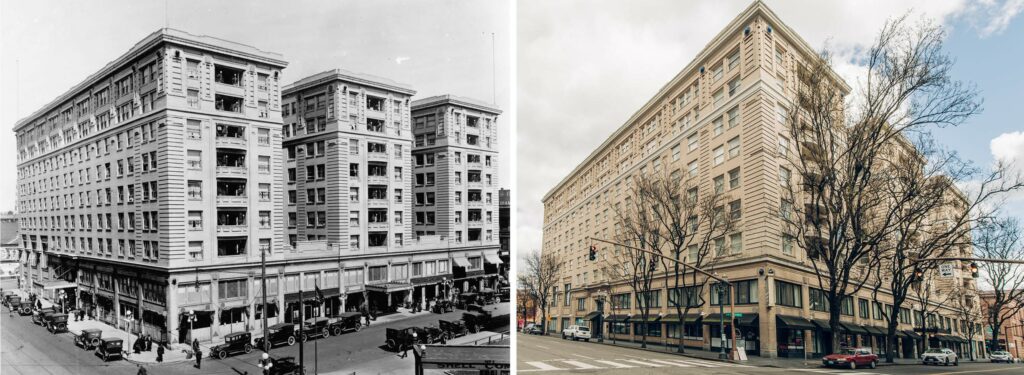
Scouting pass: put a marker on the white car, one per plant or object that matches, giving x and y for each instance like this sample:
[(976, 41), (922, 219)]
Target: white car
[(940, 356), (1001, 356), (576, 333)]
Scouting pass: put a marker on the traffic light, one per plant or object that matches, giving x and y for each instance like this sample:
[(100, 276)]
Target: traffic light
[(974, 270), (593, 252)]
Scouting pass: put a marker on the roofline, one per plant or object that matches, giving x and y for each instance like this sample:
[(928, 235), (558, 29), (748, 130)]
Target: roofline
[(756, 8), (162, 35), (446, 99), (346, 76)]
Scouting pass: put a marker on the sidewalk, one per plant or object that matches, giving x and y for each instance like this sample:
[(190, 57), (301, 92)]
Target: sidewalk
[(172, 354), (752, 360)]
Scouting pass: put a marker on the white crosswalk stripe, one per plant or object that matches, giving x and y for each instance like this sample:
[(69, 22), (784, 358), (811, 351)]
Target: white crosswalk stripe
[(613, 364), (581, 365), (633, 362)]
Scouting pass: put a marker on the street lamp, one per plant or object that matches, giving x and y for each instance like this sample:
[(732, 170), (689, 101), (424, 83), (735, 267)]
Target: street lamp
[(128, 319), (265, 363), (721, 321), (191, 321)]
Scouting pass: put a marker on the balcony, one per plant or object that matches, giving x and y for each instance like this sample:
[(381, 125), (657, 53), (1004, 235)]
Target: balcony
[(377, 180), (377, 203), (232, 192), (377, 156), (231, 163), (231, 136), (228, 103), (232, 222), (475, 204), (377, 226)]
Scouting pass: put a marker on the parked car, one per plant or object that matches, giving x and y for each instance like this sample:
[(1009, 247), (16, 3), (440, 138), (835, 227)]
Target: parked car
[(479, 318), (109, 348), (534, 329), (576, 333), (14, 303), (285, 366), (1001, 356), (442, 306), (399, 339), (852, 358), (453, 329), (89, 338), (37, 316), (281, 333), (943, 356), (56, 322), (6, 295), (349, 321), (315, 328), (430, 335), (238, 342)]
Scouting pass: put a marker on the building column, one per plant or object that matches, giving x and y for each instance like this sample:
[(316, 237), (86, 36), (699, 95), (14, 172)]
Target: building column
[(214, 297), (117, 299), (171, 311), (250, 321)]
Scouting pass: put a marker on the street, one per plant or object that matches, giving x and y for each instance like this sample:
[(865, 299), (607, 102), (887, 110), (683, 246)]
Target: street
[(552, 355), (29, 349)]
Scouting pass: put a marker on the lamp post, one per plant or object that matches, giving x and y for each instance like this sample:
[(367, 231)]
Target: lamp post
[(265, 363), (721, 322), (128, 319), (191, 324)]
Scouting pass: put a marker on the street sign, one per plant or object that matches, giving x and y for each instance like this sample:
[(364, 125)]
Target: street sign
[(946, 270), (735, 315)]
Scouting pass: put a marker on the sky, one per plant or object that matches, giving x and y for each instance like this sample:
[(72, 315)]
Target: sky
[(437, 47), (584, 67)]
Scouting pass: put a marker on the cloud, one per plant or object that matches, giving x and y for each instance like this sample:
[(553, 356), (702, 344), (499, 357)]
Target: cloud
[(999, 17), (1008, 147), (584, 67)]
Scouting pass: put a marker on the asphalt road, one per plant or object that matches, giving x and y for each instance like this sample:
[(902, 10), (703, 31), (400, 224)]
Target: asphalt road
[(542, 355), (30, 349)]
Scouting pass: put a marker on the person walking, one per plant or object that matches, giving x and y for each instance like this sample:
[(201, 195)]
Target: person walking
[(199, 359), (159, 353), (142, 371)]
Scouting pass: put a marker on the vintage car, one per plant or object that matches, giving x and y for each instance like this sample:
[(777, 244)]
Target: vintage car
[(25, 308), (89, 338), (347, 321), (430, 335), (39, 315), (234, 343), (852, 358), (478, 318), (466, 299), (442, 306), (13, 303), (5, 295), (488, 296), (285, 366), (400, 339), (109, 348), (56, 322), (453, 329), (315, 328), (281, 333)]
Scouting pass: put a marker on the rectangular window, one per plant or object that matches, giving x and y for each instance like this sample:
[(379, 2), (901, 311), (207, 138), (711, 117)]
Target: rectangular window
[(787, 294), (734, 147)]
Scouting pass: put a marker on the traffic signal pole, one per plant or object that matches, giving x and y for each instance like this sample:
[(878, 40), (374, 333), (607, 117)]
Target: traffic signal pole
[(732, 305)]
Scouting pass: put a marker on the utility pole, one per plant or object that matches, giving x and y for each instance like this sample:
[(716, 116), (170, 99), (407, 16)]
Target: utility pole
[(722, 281), (302, 328), (263, 281)]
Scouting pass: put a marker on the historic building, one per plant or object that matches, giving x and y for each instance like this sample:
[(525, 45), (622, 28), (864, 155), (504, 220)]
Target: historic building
[(151, 188), (720, 125)]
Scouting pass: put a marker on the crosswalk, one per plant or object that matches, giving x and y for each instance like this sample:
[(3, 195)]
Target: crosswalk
[(833, 371), (621, 363)]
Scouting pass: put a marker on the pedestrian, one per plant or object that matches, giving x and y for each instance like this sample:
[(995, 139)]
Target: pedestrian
[(159, 353), (199, 359), (405, 352), (142, 370), (195, 345)]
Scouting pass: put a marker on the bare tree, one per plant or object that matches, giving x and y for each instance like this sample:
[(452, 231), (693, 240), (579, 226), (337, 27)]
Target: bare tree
[(965, 303), (687, 225), (1001, 239), (539, 278), (907, 89)]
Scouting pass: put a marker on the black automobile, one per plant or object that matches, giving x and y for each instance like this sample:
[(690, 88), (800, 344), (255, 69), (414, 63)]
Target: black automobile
[(56, 322), (14, 303), (442, 306), (315, 328), (6, 295), (452, 329), (281, 333), (89, 338), (109, 348), (39, 316), (285, 366), (234, 343), (429, 335), (25, 308), (399, 339), (348, 321)]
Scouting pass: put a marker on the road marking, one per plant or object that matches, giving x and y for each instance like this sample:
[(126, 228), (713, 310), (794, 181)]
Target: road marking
[(543, 366), (581, 365), (970, 371), (613, 364), (582, 356), (673, 363), (642, 363), (543, 347), (700, 364)]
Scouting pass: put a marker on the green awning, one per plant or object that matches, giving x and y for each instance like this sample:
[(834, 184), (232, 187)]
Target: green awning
[(875, 330), (822, 324), (617, 318), (592, 315), (913, 335), (854, 329), (793, 322), (674, 318)]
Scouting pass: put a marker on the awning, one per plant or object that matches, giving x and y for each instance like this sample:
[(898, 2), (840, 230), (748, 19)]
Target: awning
[(54, 284), (745, 319), (592, 315), (901, 334), (875, 330), (913, 335), (308, 295), (793, 322), (617, 318), (461, 261), (944, 338), (674, 318), (855, 329), (492, 258), (388, 287), (822, 324)]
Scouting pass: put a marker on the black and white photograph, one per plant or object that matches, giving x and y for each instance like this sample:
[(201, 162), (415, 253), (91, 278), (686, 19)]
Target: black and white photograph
[(256, 187)]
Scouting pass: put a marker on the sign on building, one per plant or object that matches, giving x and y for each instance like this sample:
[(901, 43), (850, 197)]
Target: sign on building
[(946, 270)]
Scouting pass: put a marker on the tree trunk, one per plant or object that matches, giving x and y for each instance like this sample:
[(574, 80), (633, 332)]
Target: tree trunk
[(833, 323), (890, 354), (544, 319), (995, 336)]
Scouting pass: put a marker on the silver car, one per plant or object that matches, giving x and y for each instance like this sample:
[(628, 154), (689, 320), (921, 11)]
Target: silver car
[(1001, 356), (943, 356)]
